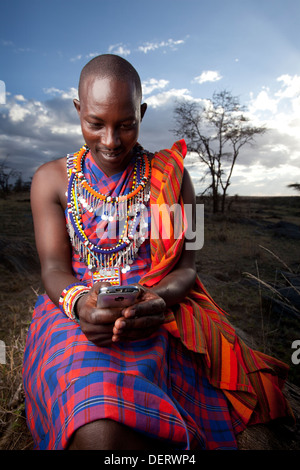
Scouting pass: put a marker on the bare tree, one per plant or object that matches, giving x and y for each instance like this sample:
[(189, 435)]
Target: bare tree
[(6, 175), (216, 132)]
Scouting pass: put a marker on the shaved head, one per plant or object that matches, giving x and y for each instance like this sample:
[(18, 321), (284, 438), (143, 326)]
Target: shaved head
[(110, 110), (110, 66)]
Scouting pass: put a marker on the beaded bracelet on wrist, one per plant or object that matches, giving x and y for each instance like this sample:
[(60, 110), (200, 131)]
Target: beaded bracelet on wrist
[(69, 297)]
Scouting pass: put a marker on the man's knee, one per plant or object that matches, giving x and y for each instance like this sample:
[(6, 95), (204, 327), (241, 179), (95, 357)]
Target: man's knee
[(97, 435), (105, 434)]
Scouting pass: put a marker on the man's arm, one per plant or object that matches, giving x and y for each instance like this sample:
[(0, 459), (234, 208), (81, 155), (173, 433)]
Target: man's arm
[(174, 287), (47, 203), (146, 316)]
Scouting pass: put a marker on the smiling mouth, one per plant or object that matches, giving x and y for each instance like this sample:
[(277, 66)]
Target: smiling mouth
[(110, 155)]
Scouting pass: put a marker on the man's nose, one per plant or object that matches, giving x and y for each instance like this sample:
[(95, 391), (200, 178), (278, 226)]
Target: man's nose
[(110, 138)]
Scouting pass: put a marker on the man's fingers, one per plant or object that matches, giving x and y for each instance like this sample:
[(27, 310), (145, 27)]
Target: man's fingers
[(138, 323), (145, 308), (133, 334), (104, 316)]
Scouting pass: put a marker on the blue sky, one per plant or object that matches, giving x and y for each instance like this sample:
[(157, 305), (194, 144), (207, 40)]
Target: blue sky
[(182, 49)]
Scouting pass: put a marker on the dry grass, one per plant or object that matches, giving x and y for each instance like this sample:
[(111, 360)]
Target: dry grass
[(19, 284), (235, 244), (17, 314)]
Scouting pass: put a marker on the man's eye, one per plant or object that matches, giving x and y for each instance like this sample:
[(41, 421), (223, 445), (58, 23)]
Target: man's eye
[(128, 125), (95, 125)]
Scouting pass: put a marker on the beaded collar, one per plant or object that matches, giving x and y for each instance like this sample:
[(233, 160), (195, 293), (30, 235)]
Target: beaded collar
[(129, 209)]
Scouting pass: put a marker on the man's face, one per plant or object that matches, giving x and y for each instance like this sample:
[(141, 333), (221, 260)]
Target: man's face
[(110, 114)]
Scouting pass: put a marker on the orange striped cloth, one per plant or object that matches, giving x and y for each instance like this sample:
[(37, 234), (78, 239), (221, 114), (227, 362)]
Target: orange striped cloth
[(251, 380)]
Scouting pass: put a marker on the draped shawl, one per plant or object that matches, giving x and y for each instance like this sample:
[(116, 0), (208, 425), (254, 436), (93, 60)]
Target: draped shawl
[(252, 381)]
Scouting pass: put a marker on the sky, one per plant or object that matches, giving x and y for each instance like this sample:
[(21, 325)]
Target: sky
[(183, 50)]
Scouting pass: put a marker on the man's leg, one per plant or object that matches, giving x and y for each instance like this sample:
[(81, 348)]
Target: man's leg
[(106, 434)]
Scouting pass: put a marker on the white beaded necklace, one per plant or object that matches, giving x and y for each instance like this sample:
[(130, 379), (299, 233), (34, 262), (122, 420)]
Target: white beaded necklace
[(132, 208)]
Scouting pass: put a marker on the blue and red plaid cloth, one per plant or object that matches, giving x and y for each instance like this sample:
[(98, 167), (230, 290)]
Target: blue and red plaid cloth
[(154, 385)]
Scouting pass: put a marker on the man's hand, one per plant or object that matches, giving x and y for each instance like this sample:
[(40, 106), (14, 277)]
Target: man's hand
[(103, 326), (96, 323), (141, 319)]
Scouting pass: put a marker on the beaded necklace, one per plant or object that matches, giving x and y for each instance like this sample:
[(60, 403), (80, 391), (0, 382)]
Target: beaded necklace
[(130, 208)]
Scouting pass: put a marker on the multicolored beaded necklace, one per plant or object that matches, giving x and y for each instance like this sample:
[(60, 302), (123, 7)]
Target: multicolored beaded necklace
[(131, 208)]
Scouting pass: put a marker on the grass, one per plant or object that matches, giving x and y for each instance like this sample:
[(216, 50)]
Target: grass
[(240, 259), (19, 285)]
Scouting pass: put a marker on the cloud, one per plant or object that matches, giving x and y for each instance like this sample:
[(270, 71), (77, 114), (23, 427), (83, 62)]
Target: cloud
[(15, 48), (74, 59), (161, 99), (291, 87), (6, 43), (119, 49), (124, 50), (207, 76), (157, 98), (152, 46), (276, 154), (65, 95), (272, 162), (88, 56), (33, 132), (20, 98), (91, 55), (263, 102), (265, 181), (17, 113), (152, 84), (2, 92), (280, 109)]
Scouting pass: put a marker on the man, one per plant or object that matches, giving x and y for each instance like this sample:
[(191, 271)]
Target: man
[(135, 377)]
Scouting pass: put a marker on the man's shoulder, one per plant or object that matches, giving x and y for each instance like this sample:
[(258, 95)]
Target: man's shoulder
[(53, 165), (50, 180), (52, 168)]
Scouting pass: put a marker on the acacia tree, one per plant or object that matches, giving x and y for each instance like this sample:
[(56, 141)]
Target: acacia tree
[(216, 131), (295, 186)]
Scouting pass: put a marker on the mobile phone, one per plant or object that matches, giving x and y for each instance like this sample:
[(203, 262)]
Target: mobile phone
[(117, 296)]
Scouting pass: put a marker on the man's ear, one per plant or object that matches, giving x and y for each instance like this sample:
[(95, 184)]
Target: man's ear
[(77, 105), (143, 110)]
